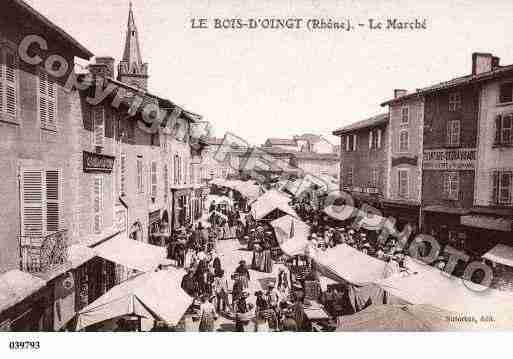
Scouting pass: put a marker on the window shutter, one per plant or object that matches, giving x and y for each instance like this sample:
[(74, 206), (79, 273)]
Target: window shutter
[(52, 201), (32, 202), (370, 139), (51, 101), (122, 179), (97, 204), (2, 81), (166, 181), (347, 143), (11, 87), (498, 129), (43, 106), (154, 179), (495, 187), (99, 126), (355, 137), (379, 137)]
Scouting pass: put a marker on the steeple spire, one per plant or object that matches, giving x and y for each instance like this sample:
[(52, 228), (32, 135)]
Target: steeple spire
[(132, 70)]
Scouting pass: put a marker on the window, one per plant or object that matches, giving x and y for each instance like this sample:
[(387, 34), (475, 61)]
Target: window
[(402, 183), (454, 101), (375, 138), (348, 145), (122, 171), (166, 182), (375, 177), (140, 184), (47, 101), (8, 84), (506, 92), (98, 114), (451, 185), (405, 115), (97, 204), (355, 138), (453, 132), (177, 175), (40, 199), (378, 140), (350, 175), (504, 130), (371, 140), (153, 175), (502, 187), (404, 141)]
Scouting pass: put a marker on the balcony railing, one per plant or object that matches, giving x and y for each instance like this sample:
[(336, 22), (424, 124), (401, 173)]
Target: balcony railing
[(40, 254)]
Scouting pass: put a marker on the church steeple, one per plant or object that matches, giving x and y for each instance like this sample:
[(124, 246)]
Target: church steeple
[(131, 69)]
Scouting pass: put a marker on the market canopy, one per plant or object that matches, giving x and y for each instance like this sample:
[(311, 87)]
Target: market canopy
[(348, 265), (15, 286), (132, 254), (323, 182), (248, 189), (501, 254), (429, 285), (270, 201), (153, 295), (291, 234)]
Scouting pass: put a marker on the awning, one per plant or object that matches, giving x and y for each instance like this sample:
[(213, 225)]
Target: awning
[(487, 222), (79, 254), (132, 254), (500, 254), (15, 286), (291, 234), (153, 295), (270, 201), (446, 210)]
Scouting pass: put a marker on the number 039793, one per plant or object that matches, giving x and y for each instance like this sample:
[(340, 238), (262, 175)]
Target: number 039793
[(24, 345)]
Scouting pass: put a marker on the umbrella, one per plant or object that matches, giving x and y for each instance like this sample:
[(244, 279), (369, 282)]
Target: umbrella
[(396, 318)]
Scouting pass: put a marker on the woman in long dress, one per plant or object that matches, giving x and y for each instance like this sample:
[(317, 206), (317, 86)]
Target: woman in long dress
[(207, 315)]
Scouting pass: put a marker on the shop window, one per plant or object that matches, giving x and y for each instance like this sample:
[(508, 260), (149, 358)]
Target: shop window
[(453, 132), (504, 130), (506, 92), (451, 185), (454, 101)]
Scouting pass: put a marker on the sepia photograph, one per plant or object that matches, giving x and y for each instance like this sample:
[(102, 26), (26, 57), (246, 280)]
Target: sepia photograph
[(262, 166)]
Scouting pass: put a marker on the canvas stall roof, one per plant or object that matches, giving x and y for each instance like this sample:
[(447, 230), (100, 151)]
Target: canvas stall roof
[(153, 295), (502, 254), (270, 201), (345, 264), (15, 286), (292, 235), (79, 254), (429, 285), (132, 254)]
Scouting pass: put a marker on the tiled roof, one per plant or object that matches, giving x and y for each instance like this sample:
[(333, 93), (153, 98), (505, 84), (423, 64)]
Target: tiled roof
[(370, 122), (280, 142), (316, 156), (309, 137), (458, 81), (81, 51)]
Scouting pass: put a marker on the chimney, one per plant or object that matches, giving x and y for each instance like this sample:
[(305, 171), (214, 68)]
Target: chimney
[(399, 93), (481, 63), (109, 62), (496, 62)]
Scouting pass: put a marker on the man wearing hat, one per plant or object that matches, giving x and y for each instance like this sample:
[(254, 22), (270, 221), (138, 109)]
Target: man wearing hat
[(243, 272)]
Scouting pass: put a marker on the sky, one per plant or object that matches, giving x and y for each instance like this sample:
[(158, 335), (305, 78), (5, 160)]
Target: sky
[(279, 83)]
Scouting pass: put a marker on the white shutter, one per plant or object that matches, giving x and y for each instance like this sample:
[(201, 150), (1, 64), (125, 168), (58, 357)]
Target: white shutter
[(97, 204), (379, 137), (370, 139), (347, 143), (52, 201), (166, 181), (355, 138), (32, 187), (99, 126), (51, 101), (2, 81), (11, 87), (154, 179), (43, 91), (123, 174)]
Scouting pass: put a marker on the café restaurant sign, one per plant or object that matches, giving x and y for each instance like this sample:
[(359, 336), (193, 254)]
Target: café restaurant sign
[(96, 162), (449, 159)]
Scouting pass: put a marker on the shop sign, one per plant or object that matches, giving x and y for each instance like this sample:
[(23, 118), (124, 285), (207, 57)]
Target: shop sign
[(450, 159), (371, 190), (357, 189), (96, 162)]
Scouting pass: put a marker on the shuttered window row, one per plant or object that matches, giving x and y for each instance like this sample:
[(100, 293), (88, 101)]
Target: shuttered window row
[(40, 201), (8, 84), (47, 101), (98, 126), (98, 204), (153, 182)]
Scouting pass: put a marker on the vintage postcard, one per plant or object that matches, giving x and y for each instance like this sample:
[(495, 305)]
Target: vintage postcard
[(226, 166)]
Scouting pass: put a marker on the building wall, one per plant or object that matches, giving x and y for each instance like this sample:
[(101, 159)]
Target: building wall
[(322, 146), (490, 158), (363, 160), (414, 153), (316, 167), (436, 117), (23, 143)]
